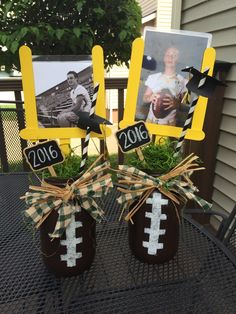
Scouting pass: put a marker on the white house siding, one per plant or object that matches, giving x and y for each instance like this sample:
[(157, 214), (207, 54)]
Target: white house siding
[(148, 6), (219, 18), (164, 11)]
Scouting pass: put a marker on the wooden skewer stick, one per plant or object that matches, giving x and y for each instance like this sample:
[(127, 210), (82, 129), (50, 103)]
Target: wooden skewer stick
[(52, 171), (140, 153)]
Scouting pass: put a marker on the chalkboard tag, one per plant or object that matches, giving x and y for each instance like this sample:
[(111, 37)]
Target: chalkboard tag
[(134, 136), (44, 155)]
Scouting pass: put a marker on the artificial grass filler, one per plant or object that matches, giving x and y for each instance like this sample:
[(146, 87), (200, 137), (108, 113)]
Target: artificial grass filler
[(158, 158)]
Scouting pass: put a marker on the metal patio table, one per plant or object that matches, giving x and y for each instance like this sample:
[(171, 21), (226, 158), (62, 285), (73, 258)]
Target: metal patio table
[(200, 279)]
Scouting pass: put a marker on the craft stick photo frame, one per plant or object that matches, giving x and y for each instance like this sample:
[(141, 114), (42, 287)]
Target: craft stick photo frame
[(133, 93), (32, 130)]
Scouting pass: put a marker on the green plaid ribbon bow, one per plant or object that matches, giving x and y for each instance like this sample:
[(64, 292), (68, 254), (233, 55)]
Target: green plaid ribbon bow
[(176, 185), (42, 200)]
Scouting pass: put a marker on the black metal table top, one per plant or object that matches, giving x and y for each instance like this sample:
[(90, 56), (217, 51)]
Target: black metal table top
[(200, 279)]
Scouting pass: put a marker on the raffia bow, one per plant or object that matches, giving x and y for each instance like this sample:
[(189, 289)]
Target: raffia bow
[(176, 185), (41, 200)]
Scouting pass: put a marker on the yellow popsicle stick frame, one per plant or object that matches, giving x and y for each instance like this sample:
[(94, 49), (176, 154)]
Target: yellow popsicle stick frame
[(32, 131), (195, 132)]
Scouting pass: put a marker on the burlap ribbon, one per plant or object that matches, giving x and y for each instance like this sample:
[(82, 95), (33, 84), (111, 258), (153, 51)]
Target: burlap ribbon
[(176, 185), (41, 200)]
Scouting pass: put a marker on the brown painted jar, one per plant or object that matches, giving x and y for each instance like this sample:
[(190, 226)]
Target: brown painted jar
[(154, 234), (74, 252)]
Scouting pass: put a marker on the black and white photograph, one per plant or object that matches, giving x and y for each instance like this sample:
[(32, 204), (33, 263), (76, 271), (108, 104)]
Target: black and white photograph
[(162, 83), (63, 89)]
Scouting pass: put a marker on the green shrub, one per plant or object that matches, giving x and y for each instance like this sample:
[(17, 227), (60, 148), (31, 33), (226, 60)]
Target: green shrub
[(69, 28)]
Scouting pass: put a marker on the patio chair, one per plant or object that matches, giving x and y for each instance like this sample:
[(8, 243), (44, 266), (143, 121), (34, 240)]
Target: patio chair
[(226, 231)]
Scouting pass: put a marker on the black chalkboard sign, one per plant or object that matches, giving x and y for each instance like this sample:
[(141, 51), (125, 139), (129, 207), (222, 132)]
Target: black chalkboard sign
[(133, 136), (43, 155)]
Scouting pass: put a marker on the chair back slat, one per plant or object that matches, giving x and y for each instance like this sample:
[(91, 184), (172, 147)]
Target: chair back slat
[(228, 233)]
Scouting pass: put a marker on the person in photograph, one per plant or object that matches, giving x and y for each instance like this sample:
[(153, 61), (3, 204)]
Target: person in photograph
[(164, 92), (81, 102)]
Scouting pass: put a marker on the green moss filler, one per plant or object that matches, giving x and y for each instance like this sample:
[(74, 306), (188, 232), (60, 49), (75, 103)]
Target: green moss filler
[(70, 167), (158, 158)]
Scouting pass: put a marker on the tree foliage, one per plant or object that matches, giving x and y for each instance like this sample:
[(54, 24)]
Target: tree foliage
[(69, 27)]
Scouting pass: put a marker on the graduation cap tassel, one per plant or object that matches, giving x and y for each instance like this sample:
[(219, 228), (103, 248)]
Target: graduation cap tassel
[(186, 125), (87, 137)]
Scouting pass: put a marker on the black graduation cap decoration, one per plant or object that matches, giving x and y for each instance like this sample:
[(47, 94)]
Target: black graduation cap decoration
[(149, 63), (201, 83), (85, 120)]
